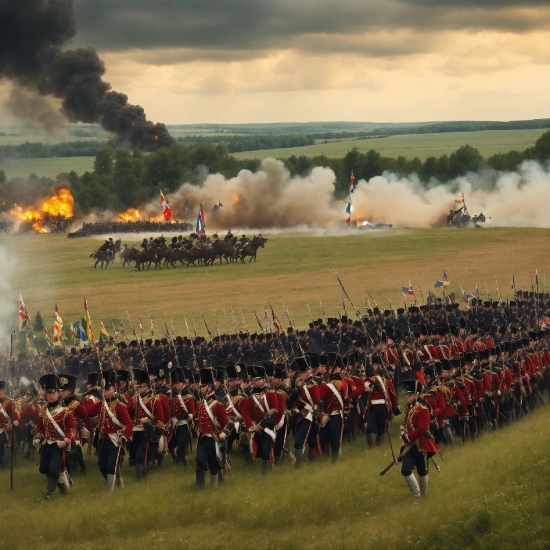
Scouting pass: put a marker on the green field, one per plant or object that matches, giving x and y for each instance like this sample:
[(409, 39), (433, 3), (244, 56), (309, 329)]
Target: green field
[(413, 145), (47, 167), (293, 268), (490, 494)]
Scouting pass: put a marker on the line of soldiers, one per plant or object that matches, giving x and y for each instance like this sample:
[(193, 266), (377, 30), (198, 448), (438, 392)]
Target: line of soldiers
[(106, 228), (250, 393)]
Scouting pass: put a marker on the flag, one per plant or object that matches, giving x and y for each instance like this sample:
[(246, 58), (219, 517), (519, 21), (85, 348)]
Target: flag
[(438, 284), (140, 325), (89, 328), (200, 228), (469, 296), (79, 331), (445, 279), (48, 337), (152, 325), (167, 213), (103, 330), (408, 290), (57, 325), (73, 333), (276, 325), (348, 210), (24, 319), (351, 182)]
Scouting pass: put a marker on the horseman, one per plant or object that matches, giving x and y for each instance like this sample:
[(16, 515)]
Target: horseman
[(229, 236)]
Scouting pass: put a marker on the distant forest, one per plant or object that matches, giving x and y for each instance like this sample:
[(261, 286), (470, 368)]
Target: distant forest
[(122, 178)]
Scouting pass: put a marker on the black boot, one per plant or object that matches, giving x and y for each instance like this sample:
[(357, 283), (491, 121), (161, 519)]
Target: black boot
[(370, 440), (199, 483), (160, 461), (266, 466), (299, 457), (175, 457), (63, 489), (378, 441), (140, 472)]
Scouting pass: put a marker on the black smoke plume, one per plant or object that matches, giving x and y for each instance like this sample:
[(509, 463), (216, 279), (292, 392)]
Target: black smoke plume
[(32, 36)]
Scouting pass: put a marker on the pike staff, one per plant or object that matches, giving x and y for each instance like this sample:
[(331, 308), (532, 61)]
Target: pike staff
[(131, 325), (191, 340), (291, 323)]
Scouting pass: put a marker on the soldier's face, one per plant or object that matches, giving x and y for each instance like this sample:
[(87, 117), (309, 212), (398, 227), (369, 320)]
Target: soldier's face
[(65, 393), (52, 396)]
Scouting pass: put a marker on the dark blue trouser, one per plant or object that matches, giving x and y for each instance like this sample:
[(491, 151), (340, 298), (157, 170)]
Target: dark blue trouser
[(107, 457), (414, 458), (263, 444), (50, 464), (206, 458), (179, 440), (280, 439), (138, 447), (3, 443), (332, 433), (301, 433), (376, 421)]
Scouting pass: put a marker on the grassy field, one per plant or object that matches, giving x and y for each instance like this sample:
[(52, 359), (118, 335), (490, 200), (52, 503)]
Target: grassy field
[(296, 269), (491, 494), (48, 167), (413, 145)]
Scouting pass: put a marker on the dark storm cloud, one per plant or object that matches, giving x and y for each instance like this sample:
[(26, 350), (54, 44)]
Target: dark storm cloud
[(238, 26), (33, 56)]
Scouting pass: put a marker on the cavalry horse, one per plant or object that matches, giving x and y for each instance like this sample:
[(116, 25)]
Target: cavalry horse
[(103, 257), (251, 248)]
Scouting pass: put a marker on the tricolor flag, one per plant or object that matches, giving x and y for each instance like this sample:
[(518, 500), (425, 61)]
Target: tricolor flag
[(89, 328), (57, 325), (469, 297), (200, 228), (167, 213), (348, 210), (24, 319), (351, 182), (408, 290), (152, 325)]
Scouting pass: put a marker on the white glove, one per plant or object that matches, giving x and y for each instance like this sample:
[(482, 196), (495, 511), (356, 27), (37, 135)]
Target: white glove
[(223, 436)]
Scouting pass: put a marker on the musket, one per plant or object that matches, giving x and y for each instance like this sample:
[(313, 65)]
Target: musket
[(207, 329), (322, 309), (226, 323), (114, 330), (435, 464), (487, 289), (344, 306), (291, 322), (166, 327), (244, 323), (310, 315), (216, 321), (405, 450), (191, 340), (12, 429), (372, 299), (260, 324), (367, 302), (498, 292), (347, 296), (131, 325), (391, 305), (420, 290)]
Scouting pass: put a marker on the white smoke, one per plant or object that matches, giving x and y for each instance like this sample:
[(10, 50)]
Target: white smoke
[(8, 307), (272, 199)]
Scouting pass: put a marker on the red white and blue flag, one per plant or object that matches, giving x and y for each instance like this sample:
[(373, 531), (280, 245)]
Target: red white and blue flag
[(408, 290), (348, 210), (166, 212), (200, 228)]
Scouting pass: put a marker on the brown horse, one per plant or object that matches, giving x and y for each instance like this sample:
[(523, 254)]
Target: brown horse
[(103, 257), (147, 256), (127, 255), (224, 249), (251, 248)]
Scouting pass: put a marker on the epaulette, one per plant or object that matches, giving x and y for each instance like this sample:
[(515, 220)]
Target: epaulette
[(122, 399)]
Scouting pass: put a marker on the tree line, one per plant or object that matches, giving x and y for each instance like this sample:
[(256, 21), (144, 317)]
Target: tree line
[(122, 178)]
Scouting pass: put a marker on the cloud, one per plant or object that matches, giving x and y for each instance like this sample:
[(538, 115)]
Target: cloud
[(222, 28)]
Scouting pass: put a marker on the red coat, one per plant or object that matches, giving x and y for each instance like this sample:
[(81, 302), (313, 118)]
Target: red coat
[(376, 392), (179, 412), (205, 426), (331, 402), (8, 412), (64, 419), (417, 425), (105, 422), (311, 396), (153, 406), (254, 414), (80, 413)]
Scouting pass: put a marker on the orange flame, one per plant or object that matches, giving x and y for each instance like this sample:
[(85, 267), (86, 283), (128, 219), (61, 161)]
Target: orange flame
[(132, 214), (60, 204)]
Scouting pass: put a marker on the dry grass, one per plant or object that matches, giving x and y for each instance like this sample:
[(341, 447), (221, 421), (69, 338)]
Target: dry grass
[(293, 268)]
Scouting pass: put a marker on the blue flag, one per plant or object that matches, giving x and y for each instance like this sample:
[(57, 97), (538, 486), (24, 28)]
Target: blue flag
[(80, 333)]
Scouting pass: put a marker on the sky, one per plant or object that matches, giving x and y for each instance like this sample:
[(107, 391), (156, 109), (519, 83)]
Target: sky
[(238, 61)]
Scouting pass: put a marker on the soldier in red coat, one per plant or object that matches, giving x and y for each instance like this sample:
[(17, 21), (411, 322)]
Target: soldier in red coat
[(55, 433), (67, 385), (9, 419), (212, 427), (332, 394), (114, 426), (259, 412), (148, 420), (182, 415), (417, 441), (382, 400), (305, 399), (28, 418)]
